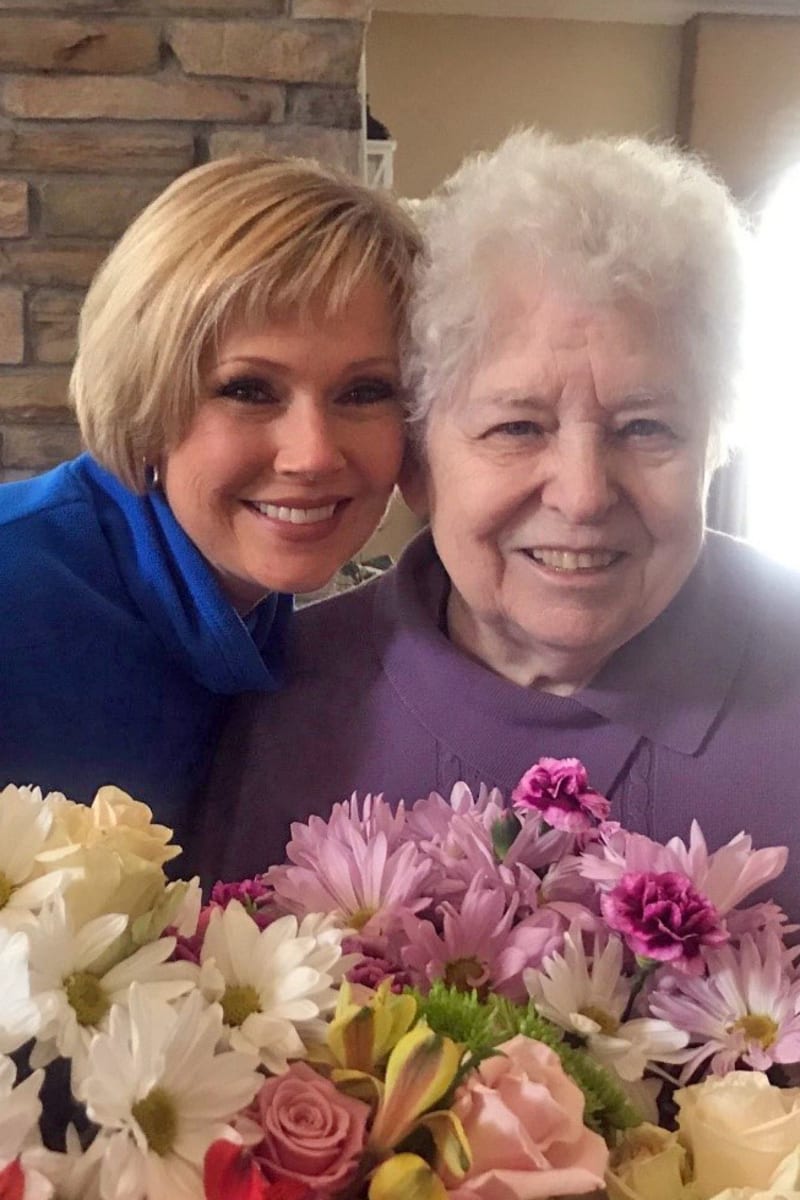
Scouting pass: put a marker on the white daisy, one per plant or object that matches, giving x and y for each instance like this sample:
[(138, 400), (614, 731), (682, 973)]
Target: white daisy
[(19, 1015), (75, 1174), (270, 981), (590, 999), (20, 1109), (161, 1095), (74, 990), (25, 820)]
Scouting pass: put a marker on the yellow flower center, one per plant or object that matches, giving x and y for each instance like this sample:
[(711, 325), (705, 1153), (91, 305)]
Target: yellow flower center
[(359, 918), (158, 1121), (239, 1003), (85, 994), (757, 1027), (608, 1024), (466, 974), (6, 890)]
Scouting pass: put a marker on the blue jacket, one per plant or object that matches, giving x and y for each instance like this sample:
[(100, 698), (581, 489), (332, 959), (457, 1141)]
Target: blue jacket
[(118, 650)]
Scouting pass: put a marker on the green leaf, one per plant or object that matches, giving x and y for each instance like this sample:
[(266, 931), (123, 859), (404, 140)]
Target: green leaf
[(505, 831)]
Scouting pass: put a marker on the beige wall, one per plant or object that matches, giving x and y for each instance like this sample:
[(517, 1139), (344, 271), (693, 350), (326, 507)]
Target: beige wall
[(744, 99), (446, 86)]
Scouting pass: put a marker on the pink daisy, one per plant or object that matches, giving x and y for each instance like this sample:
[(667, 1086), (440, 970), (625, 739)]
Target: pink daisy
[(724, 877), (357, 875), (479, 946), (745, 1010)]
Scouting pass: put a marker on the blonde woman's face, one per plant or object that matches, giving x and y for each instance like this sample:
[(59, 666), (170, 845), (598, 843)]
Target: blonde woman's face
[(294, 450)]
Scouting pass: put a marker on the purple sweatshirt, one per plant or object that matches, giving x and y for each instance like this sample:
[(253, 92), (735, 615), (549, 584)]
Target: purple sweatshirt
[(697, 716)]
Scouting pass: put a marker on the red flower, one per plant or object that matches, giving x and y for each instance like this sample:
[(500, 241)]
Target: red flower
[(12, 1181), (229, 1173)]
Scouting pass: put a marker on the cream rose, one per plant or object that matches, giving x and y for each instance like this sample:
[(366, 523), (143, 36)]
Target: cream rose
[(115, 851), (648, 1164), (739, 1130), (755, 1194), (784, 1185)]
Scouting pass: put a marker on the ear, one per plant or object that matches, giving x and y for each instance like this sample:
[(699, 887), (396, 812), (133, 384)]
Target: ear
[(413, 482)]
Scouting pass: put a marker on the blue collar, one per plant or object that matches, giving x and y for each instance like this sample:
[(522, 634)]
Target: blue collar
[(180, 598)]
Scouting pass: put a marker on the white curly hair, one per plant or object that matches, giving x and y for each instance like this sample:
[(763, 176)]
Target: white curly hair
[(608, 220)]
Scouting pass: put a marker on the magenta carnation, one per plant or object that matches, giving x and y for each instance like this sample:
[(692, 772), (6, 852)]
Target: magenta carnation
[(558, 789), (375, 963), (664, 918), (255, 896)]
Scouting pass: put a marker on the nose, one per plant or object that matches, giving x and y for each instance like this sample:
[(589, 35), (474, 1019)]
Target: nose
[(307, 442), (579, 480)]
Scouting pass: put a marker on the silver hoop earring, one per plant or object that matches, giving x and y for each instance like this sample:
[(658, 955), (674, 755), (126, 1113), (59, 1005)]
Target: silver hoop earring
[(153, 477)]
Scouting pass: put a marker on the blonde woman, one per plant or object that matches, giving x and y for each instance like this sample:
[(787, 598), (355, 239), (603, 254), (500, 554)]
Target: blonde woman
[(237, 388)]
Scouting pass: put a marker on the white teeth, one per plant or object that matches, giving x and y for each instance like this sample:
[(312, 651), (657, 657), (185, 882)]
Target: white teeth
[(567, 560), (295, 516)]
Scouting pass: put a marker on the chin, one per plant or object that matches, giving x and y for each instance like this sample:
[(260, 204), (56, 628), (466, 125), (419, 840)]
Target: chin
[(302, 586)]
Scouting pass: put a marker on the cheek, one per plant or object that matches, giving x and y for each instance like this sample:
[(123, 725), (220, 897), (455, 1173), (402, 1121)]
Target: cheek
[(212, 455), (670, 504), (381, 454)]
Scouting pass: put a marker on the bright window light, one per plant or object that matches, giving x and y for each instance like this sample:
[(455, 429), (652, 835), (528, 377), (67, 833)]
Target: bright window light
[(772, 379)]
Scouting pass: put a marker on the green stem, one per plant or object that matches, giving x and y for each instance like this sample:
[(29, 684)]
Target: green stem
[(645, 968)]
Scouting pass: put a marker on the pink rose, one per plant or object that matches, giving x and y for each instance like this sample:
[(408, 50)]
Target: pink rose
[(523, 1117), (312, 1133)]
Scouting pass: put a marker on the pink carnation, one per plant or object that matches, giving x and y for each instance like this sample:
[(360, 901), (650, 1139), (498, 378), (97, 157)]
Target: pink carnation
[(558, 789), (523, 1118), (313, 1133), (663, 917)]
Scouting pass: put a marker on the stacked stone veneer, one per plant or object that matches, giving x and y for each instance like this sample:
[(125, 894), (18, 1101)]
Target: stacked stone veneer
[(102, 103)]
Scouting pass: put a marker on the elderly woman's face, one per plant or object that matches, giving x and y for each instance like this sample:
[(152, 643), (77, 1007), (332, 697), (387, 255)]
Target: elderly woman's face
[(294, 450), (566, 484)]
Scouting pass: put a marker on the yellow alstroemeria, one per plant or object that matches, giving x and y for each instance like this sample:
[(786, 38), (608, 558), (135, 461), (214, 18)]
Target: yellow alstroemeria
[(420, 1070), (368, 1025), (452, 1148), (357, 1084), (406, 1177)]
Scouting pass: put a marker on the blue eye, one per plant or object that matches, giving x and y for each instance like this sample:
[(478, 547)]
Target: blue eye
[(645, 427), (518, 429), (247, 389), (370, 391)]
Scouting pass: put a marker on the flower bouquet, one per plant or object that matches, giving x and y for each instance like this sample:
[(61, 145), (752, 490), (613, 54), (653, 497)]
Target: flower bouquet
[(461, 998)]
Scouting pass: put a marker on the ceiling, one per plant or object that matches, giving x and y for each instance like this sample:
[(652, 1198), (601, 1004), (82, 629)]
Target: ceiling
[(646, 12)]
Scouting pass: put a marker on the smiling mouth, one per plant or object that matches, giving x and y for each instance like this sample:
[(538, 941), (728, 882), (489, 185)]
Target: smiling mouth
[(296, 516), (574, 561)]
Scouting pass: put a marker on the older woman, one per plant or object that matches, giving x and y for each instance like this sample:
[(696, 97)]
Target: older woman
[(237, 386), (575, 343)]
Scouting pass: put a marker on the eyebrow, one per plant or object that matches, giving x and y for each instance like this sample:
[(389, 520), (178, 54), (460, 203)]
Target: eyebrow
[(515, 399), (260, 360), (509, 399)]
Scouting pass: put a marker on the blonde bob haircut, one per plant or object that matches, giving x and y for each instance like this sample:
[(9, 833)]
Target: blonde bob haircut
[(240, 240)]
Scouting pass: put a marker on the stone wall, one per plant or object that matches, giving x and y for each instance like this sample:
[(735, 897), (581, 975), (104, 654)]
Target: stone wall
[(102, 103)]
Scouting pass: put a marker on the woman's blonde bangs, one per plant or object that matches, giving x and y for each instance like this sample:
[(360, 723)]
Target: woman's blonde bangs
[(237, 241)]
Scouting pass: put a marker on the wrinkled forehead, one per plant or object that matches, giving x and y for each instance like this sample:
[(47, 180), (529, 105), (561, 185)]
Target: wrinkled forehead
[(538, 335)]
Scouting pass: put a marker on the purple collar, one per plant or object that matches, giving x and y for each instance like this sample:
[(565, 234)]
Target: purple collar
[(668, 684)]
